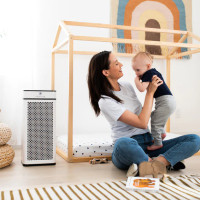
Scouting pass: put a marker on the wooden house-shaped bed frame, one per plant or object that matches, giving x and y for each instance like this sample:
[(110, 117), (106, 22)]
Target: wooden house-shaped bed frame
[(70, 38)]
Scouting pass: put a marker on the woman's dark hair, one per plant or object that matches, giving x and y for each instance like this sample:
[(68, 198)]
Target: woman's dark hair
[(98, 84)]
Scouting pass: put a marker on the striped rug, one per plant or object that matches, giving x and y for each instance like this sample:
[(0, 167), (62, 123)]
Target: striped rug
[(182, 187)]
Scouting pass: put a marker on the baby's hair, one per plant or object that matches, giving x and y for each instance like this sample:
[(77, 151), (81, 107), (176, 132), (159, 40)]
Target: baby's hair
[(143, 54)]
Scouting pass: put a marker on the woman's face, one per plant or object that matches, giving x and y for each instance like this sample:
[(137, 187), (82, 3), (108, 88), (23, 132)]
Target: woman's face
[(115, 68)]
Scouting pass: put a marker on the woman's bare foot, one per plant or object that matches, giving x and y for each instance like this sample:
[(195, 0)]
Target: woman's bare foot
[(163, 135), (154, 147)]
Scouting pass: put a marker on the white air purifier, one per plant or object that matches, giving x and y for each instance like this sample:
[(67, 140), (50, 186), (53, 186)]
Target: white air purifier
[(38, 139)]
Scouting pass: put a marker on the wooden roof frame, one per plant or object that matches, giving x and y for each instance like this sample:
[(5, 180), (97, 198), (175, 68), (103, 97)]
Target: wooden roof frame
[(70, 37)]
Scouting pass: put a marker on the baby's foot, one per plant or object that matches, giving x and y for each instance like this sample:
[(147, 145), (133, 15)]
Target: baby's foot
[(154, 147), (163, 135)]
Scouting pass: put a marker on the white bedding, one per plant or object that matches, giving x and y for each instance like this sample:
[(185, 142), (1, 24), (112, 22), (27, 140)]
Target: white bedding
[(87, 145)]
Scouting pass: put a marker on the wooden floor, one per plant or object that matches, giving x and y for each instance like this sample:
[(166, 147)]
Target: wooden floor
[(16, 175)]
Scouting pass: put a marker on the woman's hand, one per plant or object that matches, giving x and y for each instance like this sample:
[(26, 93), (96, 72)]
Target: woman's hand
[(156, 81)]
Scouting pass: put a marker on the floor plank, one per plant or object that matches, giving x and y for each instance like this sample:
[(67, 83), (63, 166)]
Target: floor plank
[(16, 175)]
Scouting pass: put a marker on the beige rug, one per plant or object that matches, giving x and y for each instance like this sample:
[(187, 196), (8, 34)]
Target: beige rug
[(182, 187)]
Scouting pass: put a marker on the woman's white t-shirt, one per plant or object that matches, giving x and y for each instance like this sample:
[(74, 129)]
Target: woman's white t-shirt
[(112, 110)]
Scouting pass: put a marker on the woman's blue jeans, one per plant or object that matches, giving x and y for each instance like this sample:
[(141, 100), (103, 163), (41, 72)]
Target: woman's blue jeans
[(134, 150)]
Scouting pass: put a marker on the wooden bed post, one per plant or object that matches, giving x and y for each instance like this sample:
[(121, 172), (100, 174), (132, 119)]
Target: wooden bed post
[(168, 84), (183, 38), (70, 104)]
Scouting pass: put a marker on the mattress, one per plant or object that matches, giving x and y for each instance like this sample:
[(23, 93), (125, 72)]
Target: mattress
[(88, 145)]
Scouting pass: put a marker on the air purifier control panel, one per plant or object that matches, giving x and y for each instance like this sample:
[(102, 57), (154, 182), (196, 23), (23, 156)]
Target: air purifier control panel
[(39, 94)]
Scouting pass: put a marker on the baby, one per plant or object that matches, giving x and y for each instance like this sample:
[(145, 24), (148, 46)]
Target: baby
[(164, 101)]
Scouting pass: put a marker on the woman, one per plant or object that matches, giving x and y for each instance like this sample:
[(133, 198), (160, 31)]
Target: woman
[(128, 119)]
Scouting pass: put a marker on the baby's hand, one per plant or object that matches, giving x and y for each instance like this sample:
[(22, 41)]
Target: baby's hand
[(137, 79)]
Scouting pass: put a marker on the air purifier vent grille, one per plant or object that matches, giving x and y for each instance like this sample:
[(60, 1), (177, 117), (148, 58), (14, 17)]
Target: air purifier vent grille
[(39, 130)]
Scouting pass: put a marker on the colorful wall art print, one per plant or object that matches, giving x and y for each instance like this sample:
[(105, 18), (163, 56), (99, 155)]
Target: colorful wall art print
[(161, 14)]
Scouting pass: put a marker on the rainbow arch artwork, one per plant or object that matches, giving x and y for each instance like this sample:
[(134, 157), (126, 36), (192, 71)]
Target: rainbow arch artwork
[(163, 14)]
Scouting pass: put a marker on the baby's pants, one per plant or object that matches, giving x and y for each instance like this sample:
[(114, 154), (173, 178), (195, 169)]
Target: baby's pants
[(164, 106)]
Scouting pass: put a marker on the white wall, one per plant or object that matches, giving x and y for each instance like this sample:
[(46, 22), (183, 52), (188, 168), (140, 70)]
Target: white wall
[(16, 50), (34, 66)]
